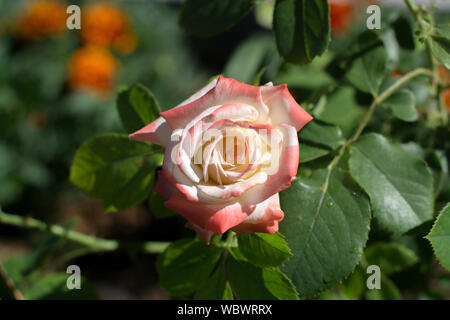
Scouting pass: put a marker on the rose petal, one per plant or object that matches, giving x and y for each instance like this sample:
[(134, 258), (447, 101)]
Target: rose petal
[(283, 107), (226, 91), (157, 132), (281, 173), (199, 93), (205, 234), (217, 218), (265, 218)]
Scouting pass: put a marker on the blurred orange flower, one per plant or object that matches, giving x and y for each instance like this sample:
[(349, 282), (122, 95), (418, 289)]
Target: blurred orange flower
[(447, 99), (93, 69), (42, 18), (105, 24), (444, 74), (342, 13)]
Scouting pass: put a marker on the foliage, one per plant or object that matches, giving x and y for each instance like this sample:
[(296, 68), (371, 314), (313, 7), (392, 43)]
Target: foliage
[(373, 178)]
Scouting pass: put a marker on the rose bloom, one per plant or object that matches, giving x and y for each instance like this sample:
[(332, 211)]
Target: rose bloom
[(93, 69), (42, 18), (105, 24), (230, 149)]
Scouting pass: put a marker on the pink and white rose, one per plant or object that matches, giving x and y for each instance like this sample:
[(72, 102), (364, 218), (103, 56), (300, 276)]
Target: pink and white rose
[(230, 149)]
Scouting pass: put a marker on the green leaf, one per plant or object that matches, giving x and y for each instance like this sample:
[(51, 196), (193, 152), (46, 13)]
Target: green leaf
[(322, 134), (249, 57), (249, 282), (440, 47), (305, 78), (159, 210), (318, 139), (354, 286), (54, 287), (388, 291), (21, 268), (205, 18), (302, 29), (440, 44), (439, 164), (15, 268), (326, 225), (404, 33), (392, 49), (137, 107), (400, 186), (185, 265), (402, 105), (436, 160), (256, 81), (439, 237), (390, 257), (443, 30), (309, 153), (6, 286), (368, 70), (263, 249), (341, 109), (115, 169), (216, 287), (237, 254)]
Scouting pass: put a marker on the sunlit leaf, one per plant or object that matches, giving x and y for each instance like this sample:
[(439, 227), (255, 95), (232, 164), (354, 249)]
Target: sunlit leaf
[(264, 249), (137, 107), (440, 237), (326, 226), (400, 185), (115, 169)]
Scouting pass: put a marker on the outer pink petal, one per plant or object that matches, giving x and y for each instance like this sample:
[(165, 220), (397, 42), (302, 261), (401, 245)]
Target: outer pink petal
[(226, 91), (200, 93), (157, 132), (265, 218), (213, 217), (262, 227), (205, 234), (283, 107)]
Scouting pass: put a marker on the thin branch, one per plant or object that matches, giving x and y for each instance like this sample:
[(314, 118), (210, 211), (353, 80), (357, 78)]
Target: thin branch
[(16, 294), (427, 29), (386, 94), (94, 243)]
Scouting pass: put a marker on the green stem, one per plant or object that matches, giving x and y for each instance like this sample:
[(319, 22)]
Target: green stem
[(230, 238), (376, 102), (386, 94), (413, 8), (433, 66), (400, 82), (94, 243)]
